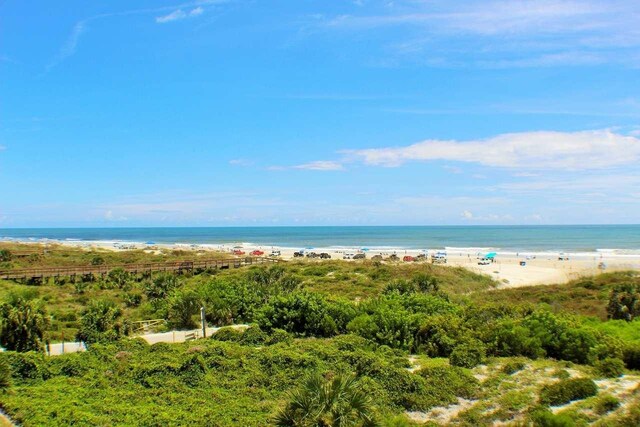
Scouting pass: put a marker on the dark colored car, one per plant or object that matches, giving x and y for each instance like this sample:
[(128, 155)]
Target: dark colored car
[(312, 255), (359, 256), (325, 255), (298, 254)]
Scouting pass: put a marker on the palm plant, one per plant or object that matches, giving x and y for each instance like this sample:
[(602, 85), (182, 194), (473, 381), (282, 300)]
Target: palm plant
[(334, 402), (22, 324)]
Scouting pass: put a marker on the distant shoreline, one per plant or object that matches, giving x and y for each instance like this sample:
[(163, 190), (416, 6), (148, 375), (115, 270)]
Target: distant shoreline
[(618, 240), (540, 268)]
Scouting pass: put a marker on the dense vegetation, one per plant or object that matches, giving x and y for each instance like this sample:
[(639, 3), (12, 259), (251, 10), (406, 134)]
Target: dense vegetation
[(330, 344)]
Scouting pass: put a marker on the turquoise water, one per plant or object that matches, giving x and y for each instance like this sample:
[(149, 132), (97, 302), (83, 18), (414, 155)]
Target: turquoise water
[(582, 238)]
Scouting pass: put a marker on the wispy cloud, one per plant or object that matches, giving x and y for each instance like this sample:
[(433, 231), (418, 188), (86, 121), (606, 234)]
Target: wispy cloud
[(321, 165), (70, 46), (528, 150), (194, 9), (519, 33), (241, 162), (179, 14)]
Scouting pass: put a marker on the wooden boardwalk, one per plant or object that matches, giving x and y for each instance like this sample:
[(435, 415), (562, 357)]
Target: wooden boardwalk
[(99, 270)]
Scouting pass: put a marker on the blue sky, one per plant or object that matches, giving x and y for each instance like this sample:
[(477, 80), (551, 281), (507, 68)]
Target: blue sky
[(151, 113)]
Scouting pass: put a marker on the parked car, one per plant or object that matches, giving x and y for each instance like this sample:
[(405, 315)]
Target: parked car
[(348, 256), (439, 258), (312, 255), (377, 258), (359, 256), (408, 258), (298, 254), (238, 252), (325, 255), (484, 261), (393, 257), (257, 252), (563, 257), (275, 253)]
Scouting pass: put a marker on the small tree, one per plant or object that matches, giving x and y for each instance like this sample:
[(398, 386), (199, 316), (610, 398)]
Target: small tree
[(101, 321), (161, 286), (5, 255), (335, 402), (23, 324), (183, 306), (624, 302), (426, 283)]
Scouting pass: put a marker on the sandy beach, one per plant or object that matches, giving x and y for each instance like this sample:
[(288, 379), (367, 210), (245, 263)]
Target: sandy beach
[(539, 267)]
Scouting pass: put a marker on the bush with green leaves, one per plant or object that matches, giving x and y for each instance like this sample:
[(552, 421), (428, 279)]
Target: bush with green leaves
[(5, 373), (565, 391), (426, 283), (5, 255), (558, 338), (302, 313), (606, 404), (438, 335), (631, 356), (624, 302), (23, 323), (445, 384), (184, 306), (541, 417), (610, 367), (468, 355), (513, 366), (338, 401), (102, 321), (120, 278), (27, 366), (160, 286)]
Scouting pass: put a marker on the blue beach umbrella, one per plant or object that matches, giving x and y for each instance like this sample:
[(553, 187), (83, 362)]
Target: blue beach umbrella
[(490, 255)]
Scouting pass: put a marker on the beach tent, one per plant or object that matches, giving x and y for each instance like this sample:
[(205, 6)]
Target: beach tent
[(490, 255)]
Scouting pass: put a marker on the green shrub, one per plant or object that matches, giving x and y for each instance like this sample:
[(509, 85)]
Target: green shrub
[(565, 391), (631, 356), (132, 299), (101, 321), (303, 313), (23, 323), (27, 366), (513, 367), (606, 404), (5, 255), (183, 306), (624, 302), (546, 418), (444, 384), (227, 334), (253, 336), (610, 367), (277, 336), (468, 355), (5, 374)]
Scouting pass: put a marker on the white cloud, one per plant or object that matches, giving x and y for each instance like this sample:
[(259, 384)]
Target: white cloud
[(179, 14), (467, 215), (241, 162), (528, 150), (70, 46), (498, 33), (321, 165)]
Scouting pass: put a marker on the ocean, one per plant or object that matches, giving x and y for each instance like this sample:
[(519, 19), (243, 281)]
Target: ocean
[(553, 238)]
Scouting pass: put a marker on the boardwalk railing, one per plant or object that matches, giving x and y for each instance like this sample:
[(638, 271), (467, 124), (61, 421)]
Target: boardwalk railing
[(97, 270)]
